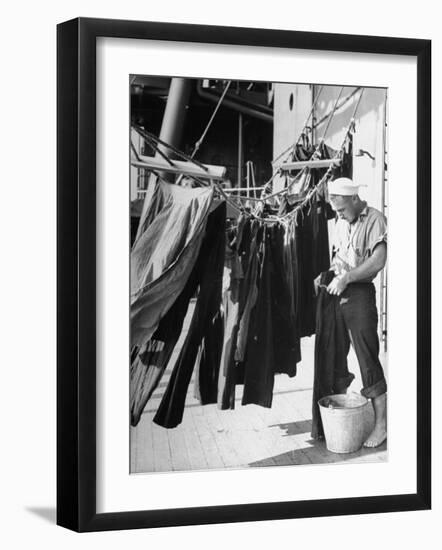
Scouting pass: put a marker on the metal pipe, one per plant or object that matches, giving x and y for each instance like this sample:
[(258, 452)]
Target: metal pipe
[(172, 125), (180, 167), (240, 148), (234, 104), (236, 189), (384, 288), (175, 112), (298, 165)]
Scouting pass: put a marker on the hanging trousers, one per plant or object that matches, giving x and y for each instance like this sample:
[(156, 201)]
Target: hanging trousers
[(205, 324), (273, 342)]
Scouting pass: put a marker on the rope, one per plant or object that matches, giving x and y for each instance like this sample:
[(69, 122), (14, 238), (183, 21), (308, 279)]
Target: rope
[(303, 128), (179, 153), (132, 146), (199, 142), (221, 191), (203, 135), (292, 147), (155, 148), (272, 219), (317, 149), (330, 118), (344, 101), (325, 177)]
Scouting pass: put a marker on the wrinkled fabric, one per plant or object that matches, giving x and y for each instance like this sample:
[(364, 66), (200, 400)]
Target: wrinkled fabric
[(354, 243), (331, 374), (286, 337), (149, 364), (307, 252), (306, 255), (259, 363), (227, 371), (248, 291), (202, 326), (207, 364), (234, 276), (359, 313), (313, 258), (164, 254), (273, 341), (350, 317)]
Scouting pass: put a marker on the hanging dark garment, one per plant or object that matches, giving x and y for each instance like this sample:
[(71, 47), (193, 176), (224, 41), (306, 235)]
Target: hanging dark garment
[(353, 315), (312, 256), (290, 267), (227, 371), (248, 249), (148, 366), (163, 280), (331, 374), (308, 249), (259, 362), (207, 364), (238, 303), (227, 378), (273, 341), (170, 411), (164, 253), (286, 339), (345, 169)]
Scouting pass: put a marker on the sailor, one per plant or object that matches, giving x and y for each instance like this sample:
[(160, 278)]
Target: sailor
[(359, 254)]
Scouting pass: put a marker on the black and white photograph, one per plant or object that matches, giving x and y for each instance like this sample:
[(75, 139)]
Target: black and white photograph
[(258, 274), (221, 254)]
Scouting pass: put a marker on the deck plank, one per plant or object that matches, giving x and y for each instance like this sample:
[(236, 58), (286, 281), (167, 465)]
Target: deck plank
[(248, 436)]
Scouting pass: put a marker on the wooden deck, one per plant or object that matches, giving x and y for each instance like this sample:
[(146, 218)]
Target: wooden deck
[(249, 436)]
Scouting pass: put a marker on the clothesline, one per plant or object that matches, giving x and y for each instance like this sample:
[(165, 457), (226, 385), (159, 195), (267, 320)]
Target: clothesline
[(151, 137), (254, 326), (325, 177), (344, 102), (199, 142), (316, 152), (291, 216), (270, 276), (271, 219), (291, 147)]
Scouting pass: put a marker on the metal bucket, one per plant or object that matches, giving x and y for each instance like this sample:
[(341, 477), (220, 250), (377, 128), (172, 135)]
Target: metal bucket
[(343, 421)]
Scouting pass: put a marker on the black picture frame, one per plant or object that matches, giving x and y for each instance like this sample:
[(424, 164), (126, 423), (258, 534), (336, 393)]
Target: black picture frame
[(76, 273)]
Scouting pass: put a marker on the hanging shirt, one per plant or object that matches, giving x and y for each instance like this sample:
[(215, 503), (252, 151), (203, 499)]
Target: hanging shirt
[(354, 242)]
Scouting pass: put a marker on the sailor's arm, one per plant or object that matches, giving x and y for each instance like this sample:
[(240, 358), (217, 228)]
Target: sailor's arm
[(367, 270)]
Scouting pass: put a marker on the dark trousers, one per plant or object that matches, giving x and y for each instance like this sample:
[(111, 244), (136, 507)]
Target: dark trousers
[(340, 320), (205, 330), (357, 311)]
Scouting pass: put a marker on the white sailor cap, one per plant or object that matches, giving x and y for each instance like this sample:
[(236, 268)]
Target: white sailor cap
[(342, 186)]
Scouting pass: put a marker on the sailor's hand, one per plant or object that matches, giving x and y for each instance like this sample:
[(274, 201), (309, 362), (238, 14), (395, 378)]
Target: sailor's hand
[(338, 285)]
